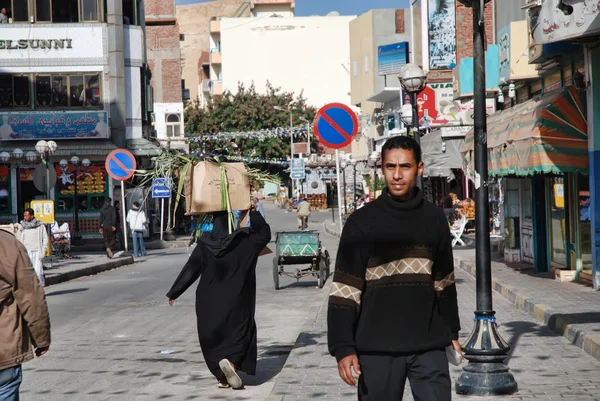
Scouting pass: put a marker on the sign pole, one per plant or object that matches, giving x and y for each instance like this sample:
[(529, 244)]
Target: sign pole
[(162, 217), (339, 187), (123, 212)]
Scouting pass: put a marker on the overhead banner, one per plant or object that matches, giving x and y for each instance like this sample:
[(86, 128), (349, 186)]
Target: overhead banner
[(442, 34), (391, 58)]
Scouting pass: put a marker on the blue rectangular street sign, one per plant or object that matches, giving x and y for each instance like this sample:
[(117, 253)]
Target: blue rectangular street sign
[(298, 172), (161, 188)]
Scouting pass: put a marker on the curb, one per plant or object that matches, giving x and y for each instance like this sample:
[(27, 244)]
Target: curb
[(288, 372), (330, 231), (561, 324), (88, 271)]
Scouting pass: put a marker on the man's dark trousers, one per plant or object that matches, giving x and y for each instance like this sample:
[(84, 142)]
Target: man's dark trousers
[(384, 376), (110, 238)]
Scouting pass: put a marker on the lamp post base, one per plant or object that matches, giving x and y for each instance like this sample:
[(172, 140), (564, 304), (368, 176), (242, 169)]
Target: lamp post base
[(486, 373)]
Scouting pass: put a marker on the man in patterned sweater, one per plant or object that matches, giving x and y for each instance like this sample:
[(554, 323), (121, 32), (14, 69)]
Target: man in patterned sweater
[(393, 303)]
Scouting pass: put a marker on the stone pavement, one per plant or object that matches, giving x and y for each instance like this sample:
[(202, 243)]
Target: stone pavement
[(545, 365), (570, 309), (85, 265)]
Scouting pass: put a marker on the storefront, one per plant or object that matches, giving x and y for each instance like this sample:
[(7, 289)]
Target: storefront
[(540, 146)]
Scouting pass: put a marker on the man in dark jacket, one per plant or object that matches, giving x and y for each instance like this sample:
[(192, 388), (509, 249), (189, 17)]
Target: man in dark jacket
[(108, 226), (24, 321)]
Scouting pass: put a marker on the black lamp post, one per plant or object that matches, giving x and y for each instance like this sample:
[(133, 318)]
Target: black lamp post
[(413, 80), (485, 349), (356, 165), (374, 159), (64, 165), (46, 150)]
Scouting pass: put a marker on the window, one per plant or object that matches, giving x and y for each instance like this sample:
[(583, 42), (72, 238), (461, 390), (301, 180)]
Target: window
[(92, 90), (181, 37), (65, 11), (355, 68), (18, 10), (173, 125), (43, 10), (89, 10), (60, 94), (129, 12), (43, 91), (6, 91), (367, 64), (21, 90), (76, 89)]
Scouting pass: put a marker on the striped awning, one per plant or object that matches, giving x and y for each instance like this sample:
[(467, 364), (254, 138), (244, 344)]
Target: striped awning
[(547, 135)]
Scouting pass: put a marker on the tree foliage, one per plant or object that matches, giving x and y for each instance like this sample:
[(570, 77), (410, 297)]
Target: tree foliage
[(248, 110)]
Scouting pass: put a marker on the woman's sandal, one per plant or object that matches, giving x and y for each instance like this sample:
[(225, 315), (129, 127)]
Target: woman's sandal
[(230, 374)]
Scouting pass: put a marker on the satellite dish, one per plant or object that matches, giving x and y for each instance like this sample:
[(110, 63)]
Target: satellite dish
[(333, 14)]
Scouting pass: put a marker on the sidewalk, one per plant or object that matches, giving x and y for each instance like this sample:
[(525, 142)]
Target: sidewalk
[(85, 265), (544, 364)]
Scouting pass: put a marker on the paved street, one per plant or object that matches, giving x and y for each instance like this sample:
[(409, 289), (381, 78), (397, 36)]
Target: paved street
[(109, 330)]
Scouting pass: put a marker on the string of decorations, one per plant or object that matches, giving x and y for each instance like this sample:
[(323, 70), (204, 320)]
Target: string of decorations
[(245, 159), (261, 135)]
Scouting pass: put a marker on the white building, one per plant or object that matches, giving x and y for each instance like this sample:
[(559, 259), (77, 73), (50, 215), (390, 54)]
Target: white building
[(77, 79), (309, 55)]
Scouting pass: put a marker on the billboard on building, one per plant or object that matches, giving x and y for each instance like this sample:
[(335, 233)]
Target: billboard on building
[(437, 107), (53, 125), (391, 58), (442, 34)]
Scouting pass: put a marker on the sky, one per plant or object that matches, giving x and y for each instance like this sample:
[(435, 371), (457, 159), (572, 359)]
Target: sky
[(322, 7)]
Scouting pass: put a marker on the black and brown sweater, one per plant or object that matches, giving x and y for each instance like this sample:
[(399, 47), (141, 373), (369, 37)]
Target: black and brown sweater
[(393, 289)]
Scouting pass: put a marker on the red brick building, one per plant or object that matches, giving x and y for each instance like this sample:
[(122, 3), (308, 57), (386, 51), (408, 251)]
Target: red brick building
[(164, 59)]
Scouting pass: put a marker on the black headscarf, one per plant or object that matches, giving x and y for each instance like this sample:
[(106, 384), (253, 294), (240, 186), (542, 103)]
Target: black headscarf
[(219, 241)]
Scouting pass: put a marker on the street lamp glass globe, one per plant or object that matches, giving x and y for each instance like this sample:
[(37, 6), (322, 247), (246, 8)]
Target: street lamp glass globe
[(343, 164), (406, 114), (52, 146), (375, 157), (412, 78), (41, 147), (75, 160), (63, 164), (31, 156), (4, 157), (17, 153), (86, 162)]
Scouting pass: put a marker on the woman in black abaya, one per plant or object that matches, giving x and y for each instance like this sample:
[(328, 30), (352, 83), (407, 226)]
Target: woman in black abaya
[(226, 295)]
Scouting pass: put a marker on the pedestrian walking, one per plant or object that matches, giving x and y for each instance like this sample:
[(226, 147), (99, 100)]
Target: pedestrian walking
[(136, 219), (393, 303), (24, 316), (32, 234), (226, 295), (303, 214), (108, 226)]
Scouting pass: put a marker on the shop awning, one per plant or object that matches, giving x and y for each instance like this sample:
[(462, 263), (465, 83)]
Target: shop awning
[(142, 147), (66, 148), (440, 155), (386, 95), (547, 135)]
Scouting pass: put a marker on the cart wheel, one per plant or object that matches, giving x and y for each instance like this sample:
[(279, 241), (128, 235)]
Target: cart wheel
[(276, 272), (322, 278)]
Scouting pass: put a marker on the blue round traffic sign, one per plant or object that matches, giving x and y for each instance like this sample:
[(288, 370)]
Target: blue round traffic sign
[(120, 164), (335, 124)]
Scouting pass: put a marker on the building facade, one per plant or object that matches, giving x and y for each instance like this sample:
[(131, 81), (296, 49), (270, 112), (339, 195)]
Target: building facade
[(73, 74), (164, 59)]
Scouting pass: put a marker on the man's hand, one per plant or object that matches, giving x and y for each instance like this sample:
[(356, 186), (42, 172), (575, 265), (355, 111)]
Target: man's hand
[(101, 232), (41, 351), (114, 228), (171, 302), (345, 367), (457, 348)]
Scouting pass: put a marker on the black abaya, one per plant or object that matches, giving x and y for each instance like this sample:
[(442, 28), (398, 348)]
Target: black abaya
[(226, 295)]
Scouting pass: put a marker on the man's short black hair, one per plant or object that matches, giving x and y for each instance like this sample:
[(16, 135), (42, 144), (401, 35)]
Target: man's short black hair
[(136, 204), (107, 201), (30, 211), (402, 142)]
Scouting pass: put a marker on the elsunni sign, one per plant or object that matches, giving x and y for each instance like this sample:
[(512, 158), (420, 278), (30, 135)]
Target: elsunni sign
[(49, 44)]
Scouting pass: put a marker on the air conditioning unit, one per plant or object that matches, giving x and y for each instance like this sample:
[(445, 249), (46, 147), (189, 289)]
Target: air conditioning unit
[(314, 158)]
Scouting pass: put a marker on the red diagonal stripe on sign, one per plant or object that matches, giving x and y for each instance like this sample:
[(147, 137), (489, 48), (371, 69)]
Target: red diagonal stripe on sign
[(334, 124), (125, 169)]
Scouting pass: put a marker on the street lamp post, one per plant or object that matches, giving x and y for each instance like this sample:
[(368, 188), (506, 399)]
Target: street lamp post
[(413, 79), (307, 134), (343, 165), (356, 165), (485, 349), (46, 150), (291, 141), (374, 159), (64, 165)]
